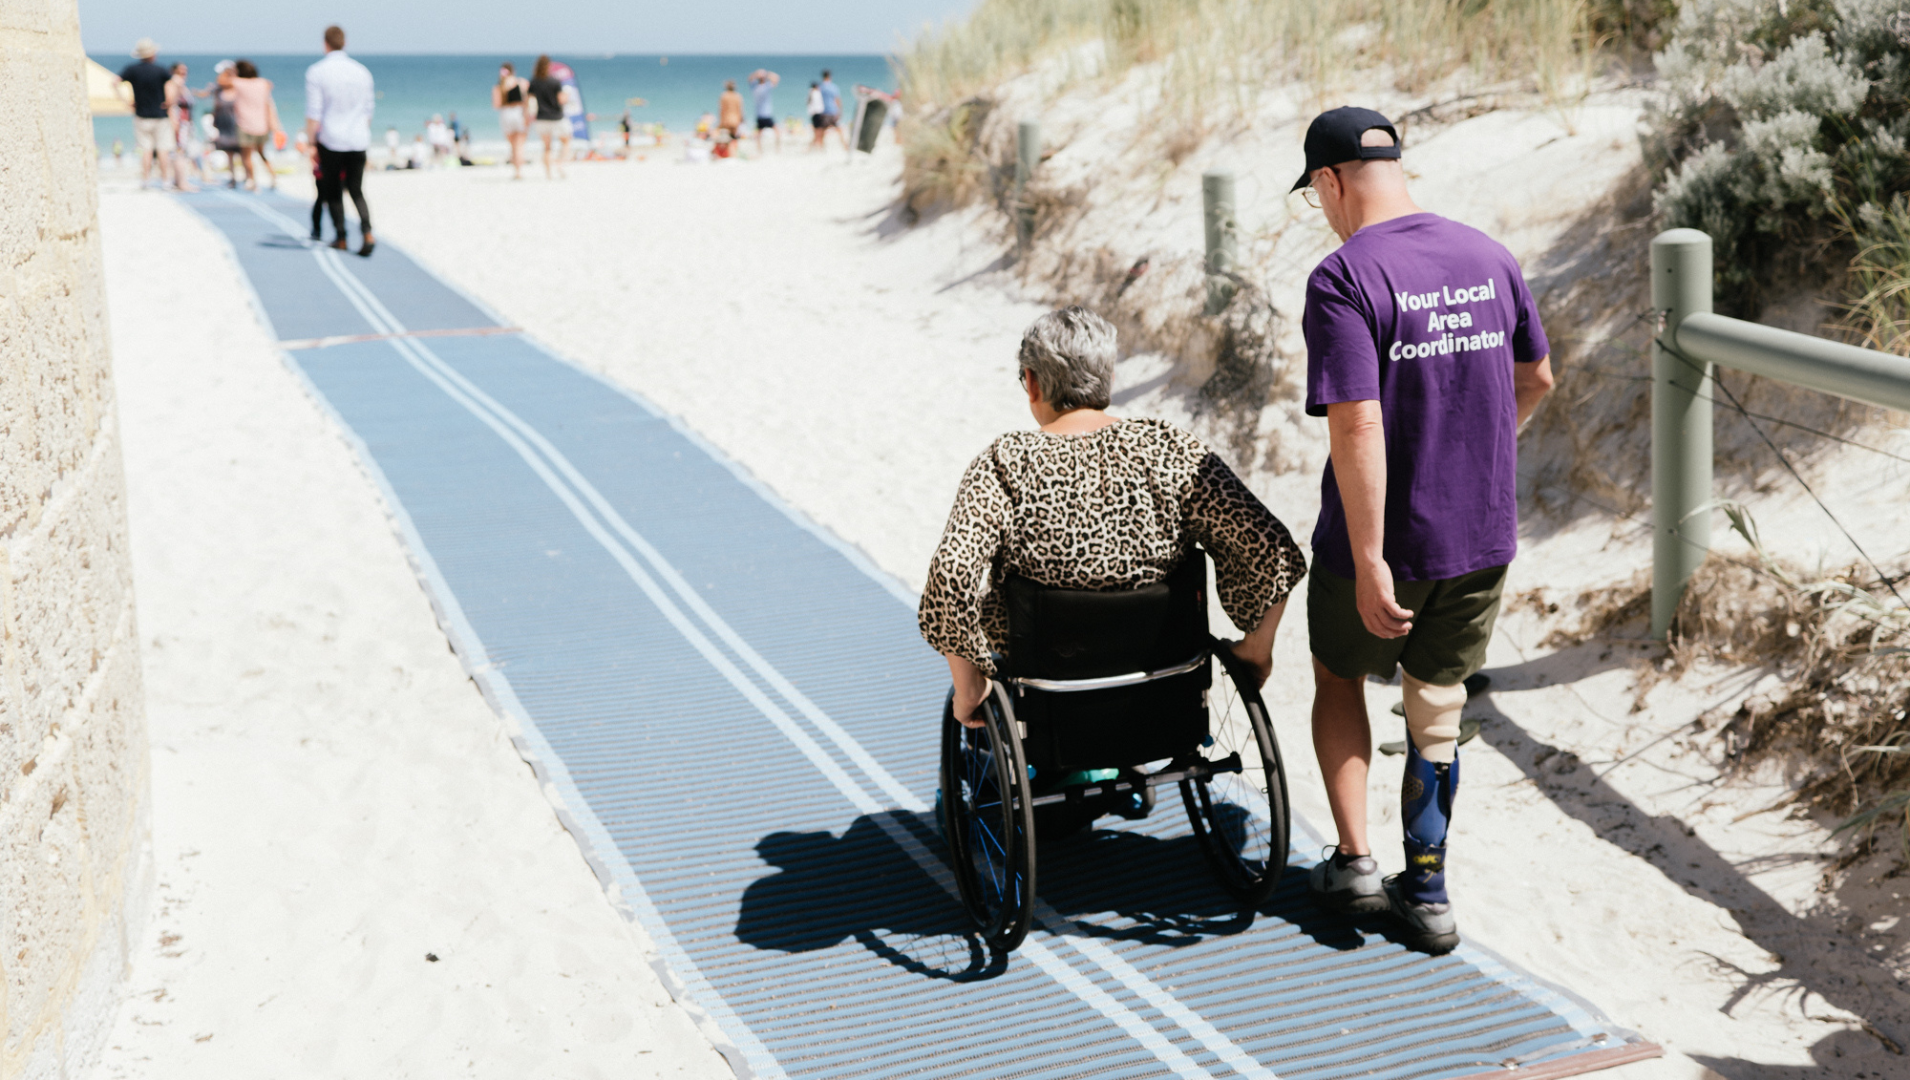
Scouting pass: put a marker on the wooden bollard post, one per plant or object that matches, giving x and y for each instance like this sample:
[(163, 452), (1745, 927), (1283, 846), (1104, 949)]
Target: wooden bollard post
[(1223, 242), (1027, 156)]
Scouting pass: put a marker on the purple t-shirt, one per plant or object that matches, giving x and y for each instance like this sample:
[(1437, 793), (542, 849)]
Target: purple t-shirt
[(1426, 316)]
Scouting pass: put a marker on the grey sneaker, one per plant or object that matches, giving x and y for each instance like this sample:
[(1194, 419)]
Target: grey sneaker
[(1430, 928), (1349, 884)]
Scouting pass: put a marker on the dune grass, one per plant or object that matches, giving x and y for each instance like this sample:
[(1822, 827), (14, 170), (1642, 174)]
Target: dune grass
[(1879, 287), (1216, 54), (1211, 59)]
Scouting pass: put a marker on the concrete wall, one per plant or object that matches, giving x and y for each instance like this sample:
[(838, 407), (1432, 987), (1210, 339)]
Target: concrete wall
[(73, 763)]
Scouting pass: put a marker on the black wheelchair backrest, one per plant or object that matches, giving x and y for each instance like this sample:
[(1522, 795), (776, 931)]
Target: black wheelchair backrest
[(1087, 634)]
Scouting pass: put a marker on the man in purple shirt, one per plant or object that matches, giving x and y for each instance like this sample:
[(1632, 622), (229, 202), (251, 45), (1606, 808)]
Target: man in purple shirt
[(1425, 355)]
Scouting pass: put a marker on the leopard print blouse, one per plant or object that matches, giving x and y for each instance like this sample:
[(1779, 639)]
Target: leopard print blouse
[(1116, 508)]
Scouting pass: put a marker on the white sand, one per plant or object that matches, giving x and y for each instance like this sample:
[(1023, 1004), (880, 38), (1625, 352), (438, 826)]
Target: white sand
[(853, 367)]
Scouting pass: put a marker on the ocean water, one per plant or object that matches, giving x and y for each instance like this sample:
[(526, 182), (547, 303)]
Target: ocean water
[(676, 89)]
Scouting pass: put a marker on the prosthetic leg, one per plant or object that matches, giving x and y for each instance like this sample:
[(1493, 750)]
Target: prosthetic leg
[(1425, 796), (1425, 804)]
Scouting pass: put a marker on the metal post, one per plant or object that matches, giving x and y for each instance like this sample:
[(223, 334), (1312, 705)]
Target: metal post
[(1223, 238), (1680, 424), (1027, 156)]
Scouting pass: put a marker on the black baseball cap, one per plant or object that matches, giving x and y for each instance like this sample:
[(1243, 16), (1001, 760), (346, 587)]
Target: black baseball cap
[(1334, 136)]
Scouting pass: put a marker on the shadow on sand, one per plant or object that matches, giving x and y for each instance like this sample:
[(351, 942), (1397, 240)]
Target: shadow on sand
[(1813, 952)]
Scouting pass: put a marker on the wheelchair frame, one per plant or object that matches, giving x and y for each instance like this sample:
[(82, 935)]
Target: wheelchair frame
[(986, 805)]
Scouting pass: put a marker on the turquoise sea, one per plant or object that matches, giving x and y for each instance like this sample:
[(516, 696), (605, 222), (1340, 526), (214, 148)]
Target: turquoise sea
[(676, 89)]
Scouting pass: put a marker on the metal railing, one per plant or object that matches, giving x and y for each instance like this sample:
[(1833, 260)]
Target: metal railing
[(1690, 340)]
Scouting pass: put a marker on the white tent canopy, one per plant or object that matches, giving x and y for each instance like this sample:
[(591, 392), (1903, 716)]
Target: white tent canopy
[(105, 94)]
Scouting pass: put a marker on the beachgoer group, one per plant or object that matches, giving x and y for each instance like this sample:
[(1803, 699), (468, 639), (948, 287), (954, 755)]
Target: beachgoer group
[(174, 140), (1425, 357)]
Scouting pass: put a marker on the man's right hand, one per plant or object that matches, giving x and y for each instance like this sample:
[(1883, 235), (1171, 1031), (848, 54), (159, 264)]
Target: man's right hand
[(1379, 611)]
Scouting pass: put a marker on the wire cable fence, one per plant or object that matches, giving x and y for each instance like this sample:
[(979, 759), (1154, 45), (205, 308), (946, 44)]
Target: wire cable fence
[(1870, 752)]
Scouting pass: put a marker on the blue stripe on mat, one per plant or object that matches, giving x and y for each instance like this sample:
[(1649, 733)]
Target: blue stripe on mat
[(736, 717)]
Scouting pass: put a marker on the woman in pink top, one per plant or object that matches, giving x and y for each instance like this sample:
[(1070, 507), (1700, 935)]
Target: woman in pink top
[(258, 118)]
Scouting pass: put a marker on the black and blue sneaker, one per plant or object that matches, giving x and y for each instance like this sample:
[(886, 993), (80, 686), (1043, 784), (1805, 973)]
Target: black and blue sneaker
[(1428, 927)]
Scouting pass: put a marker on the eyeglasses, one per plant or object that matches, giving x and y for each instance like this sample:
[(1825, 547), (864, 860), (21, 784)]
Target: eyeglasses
[(1312, 194)]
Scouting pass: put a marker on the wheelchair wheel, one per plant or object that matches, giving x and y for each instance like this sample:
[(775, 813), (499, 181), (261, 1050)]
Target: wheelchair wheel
[(988, 821), (1241, 818)]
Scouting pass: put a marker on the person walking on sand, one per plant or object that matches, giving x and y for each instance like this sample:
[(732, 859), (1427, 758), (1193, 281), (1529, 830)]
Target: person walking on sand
[(1425, 355), (339, 98), (438, 136), (813, 107), (303, 145), (551, 123), (729, 111), (762, 87), (185, 138), (831, 111), (152, 113), (258, 118), (225, 121)]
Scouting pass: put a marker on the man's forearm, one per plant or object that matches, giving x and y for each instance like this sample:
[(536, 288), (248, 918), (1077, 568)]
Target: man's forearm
[(1530, 382), (1359, 468)]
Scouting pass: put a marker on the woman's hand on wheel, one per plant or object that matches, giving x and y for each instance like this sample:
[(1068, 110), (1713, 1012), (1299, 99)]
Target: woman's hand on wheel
[(1256, 649), (971, 689), (1259, 659)]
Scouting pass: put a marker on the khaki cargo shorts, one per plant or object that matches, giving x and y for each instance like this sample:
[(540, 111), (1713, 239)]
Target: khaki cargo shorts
[(152, 134), (1452, 622)]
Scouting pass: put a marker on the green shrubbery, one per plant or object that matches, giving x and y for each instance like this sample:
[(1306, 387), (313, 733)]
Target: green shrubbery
[(1782, 132)]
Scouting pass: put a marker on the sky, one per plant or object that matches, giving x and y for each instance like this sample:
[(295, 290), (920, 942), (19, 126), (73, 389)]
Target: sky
[(464, 26)]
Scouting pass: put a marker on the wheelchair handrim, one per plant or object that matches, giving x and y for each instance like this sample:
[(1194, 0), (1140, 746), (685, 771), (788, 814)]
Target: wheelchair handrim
[(988, 834), (1241, 819)]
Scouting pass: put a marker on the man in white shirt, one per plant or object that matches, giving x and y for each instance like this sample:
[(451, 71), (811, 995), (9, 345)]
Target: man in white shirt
[(338, 104)]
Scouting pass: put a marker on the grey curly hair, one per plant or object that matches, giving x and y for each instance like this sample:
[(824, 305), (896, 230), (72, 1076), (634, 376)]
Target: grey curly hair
[(1071, 353)]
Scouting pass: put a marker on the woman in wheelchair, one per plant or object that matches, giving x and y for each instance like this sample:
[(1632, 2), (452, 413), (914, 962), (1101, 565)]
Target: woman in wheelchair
[(1069, 598)]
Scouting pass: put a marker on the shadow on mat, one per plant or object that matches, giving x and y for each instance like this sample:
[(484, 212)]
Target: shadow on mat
[(1132, 886), (1113, 883), (860, 886)]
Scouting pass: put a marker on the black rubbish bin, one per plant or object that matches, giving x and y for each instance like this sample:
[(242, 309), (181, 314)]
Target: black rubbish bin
[(875, 112)]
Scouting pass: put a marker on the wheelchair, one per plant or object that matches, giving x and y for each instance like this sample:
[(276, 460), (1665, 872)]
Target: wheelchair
[(1102, 698)]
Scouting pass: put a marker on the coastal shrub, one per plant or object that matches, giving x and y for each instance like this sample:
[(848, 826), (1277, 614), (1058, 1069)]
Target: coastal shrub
[(1781, 129)]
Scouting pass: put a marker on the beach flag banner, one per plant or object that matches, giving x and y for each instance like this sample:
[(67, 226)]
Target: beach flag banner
[(574, 108), (732, 711)]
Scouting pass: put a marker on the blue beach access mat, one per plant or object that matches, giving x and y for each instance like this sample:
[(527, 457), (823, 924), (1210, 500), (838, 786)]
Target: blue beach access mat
[(735, 717)]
